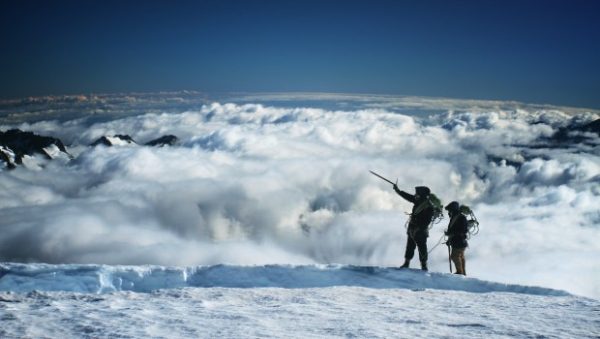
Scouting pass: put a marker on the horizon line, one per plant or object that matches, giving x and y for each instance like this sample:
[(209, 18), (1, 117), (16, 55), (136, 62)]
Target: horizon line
[(14, 100)]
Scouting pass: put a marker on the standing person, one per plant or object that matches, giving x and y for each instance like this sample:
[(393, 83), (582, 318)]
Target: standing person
[(418, 225), (457, 236)]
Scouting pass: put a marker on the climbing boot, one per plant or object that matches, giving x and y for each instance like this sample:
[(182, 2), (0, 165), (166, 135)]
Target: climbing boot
[(424, 266), (406, 263)]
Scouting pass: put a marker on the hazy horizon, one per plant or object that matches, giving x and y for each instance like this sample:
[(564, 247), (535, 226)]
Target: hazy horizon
[(529, 51)]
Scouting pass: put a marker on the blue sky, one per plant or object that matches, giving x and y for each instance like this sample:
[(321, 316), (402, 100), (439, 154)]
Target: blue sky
[(531, 51)]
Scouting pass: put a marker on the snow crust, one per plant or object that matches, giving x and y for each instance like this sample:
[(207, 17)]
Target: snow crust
[(22, 278), (320, 301)]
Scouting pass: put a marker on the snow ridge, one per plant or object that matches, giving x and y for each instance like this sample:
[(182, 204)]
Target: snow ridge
[(97, 279)]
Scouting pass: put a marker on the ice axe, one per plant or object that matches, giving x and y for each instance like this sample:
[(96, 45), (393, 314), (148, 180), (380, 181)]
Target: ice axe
[(449, 259), (380, 177)]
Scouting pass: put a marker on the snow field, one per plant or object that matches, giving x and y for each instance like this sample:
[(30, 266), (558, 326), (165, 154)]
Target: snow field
[(330, 312)]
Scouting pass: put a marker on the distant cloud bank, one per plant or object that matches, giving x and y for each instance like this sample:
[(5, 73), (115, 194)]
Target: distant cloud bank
[(284, 179)]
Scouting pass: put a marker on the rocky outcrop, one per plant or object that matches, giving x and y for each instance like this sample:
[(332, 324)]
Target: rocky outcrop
[(592, 127), (165, 140), (124, 140), (576, 133), (118, 139), (16, 144)]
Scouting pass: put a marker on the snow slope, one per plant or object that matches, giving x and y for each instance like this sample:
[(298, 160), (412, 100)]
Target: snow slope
[(101, 301), (104, 278)]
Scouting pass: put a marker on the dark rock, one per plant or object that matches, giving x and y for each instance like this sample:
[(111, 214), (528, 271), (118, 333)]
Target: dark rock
[(165, 140), (4, 157), (125, 137), (101, 141), (104, 140), (26, 143), (592, 127), (572, 134)]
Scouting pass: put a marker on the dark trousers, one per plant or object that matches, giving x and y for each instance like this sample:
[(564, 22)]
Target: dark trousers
[(417, 239)]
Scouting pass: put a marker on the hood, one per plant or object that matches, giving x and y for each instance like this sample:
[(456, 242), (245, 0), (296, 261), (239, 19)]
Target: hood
[(422, 190), (453, 207)]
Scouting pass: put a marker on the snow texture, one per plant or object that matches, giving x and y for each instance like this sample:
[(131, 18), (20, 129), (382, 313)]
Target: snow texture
[(279, 301), (23, 278)]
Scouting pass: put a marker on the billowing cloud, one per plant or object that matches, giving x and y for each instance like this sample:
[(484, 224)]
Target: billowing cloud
[(255, 184)]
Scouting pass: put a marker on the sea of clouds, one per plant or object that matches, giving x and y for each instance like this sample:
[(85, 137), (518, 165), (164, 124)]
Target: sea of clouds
[(254, 184)]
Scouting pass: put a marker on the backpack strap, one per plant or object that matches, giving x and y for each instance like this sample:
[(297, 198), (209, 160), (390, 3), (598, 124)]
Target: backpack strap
[(421, 206), (453, 221)]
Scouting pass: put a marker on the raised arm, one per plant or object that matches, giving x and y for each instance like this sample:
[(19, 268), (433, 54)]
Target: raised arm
[(405, 195)]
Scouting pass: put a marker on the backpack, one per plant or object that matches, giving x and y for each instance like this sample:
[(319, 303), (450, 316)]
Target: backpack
[(438, 209), (472, 222)]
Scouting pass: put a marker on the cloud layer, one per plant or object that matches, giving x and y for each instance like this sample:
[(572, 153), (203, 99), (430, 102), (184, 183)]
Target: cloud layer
[(254, 184)]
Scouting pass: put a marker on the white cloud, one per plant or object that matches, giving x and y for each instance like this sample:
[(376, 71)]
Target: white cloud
[(252, 184)]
